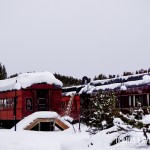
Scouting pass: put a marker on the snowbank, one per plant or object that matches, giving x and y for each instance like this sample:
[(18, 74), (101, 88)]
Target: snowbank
[(146, 119), (70, 140), (27, 79), (33, 140)]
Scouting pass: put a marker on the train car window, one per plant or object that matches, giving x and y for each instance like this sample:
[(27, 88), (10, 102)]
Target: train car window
[(141, 99), (5, 103), (1, 104), (29, 104), (10, 103)]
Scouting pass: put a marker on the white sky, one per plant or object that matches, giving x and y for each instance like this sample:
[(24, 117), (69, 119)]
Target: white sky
[(75, 37)]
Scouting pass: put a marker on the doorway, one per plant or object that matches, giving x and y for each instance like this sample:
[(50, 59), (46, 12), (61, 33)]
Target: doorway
[(42, 101)]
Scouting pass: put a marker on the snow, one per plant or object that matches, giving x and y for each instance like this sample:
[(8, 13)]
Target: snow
[(123, 78), (35, 140), (123, 87), (104, 84), (68, 118), (146, 77), (91, 86), (25, 80), (73, 139), (70, 93), (146, 119), (118, 121)]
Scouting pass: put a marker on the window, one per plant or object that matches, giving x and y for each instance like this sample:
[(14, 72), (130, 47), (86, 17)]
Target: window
[(1, 104), (6, 103), (29, 104), (141, 99)]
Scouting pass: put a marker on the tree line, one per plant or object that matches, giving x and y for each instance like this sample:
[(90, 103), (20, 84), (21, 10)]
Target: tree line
[(69, 80)]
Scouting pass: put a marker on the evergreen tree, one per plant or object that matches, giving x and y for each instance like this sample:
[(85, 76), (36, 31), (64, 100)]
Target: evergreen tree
[(100, 77), (1, 72), (68, 80), (127, 73), (4, 72), (98, 109), (111, 76)]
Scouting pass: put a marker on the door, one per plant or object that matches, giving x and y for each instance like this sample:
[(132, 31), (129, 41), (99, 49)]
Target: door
[(42, 100)]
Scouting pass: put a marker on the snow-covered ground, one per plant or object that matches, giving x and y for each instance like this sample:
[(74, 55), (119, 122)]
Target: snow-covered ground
[(34, 140), (69, 140), (72, 138)]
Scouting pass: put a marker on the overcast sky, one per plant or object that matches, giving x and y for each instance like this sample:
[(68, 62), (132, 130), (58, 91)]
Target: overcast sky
[(75, 37)]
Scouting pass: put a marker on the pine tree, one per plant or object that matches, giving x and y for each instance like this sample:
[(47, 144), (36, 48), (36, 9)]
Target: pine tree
[(4, 72), (1, 72), (137, 72), (98, 109), (111, 76)]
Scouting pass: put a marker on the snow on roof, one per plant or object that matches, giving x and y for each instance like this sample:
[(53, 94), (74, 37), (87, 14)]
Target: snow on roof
[(121, 78), (40, 114), (69, 93), (25, 80), (145, 80), (122, 86)]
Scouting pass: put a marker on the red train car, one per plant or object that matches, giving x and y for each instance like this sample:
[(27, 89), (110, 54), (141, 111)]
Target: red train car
[(33, 92)]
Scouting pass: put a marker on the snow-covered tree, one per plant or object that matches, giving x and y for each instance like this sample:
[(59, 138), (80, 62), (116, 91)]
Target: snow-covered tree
[(100, 111)]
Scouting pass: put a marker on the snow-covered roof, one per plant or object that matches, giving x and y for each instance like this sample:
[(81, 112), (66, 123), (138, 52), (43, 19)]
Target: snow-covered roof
[(40, 114), (118, 79), (68, 91), (122, 86), (25, 80)]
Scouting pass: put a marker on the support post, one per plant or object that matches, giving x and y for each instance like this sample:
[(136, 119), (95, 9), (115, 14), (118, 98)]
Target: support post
[(147, 99), (130, 101), (15, 112), (133, 100), (121, 100), (80, 116)]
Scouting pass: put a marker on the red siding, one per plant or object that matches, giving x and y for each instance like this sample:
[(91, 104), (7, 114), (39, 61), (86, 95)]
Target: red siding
[(7, 113)]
